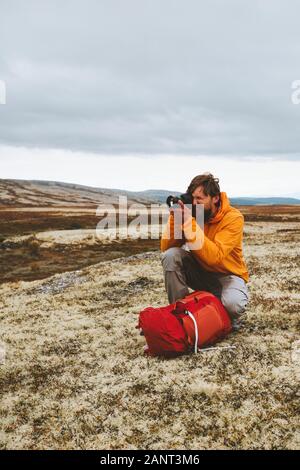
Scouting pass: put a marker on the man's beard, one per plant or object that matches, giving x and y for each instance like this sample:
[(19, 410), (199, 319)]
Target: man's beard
[(207, 213)]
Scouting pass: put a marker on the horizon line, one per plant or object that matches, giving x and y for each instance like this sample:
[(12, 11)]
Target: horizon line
[(144, 190)]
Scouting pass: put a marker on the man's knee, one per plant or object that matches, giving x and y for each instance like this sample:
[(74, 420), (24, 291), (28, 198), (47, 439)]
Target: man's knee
[(172, 258), (235, 302)]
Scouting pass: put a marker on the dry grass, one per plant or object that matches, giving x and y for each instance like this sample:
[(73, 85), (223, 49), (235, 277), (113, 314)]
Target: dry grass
[(75, 376), (38, 256)]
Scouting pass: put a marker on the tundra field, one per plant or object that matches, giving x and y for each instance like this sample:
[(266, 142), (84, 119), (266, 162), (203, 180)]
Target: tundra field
[(73, 374)]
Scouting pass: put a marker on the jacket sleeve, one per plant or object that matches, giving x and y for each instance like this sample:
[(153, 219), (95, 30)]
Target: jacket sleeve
[(213, 252), (168, 239)]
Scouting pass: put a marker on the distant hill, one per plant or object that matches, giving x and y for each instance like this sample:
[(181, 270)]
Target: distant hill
[(268, 201), (162, 194), (36, 193)]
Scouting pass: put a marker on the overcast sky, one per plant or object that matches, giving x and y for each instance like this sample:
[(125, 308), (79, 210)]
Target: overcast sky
[(141, 94)]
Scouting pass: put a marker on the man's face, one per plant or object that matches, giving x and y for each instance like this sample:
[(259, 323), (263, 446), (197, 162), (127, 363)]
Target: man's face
[(208, 202)]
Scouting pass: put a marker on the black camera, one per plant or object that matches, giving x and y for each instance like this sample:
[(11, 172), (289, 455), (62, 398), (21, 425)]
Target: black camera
[(186, 198)]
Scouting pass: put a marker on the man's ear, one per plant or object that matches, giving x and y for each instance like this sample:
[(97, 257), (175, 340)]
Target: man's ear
[(216, 200)]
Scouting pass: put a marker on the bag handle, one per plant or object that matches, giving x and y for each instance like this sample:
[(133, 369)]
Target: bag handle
[(180, 310), (187, 312)]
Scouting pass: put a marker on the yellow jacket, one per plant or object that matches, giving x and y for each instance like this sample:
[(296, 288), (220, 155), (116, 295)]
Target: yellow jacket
[(221, 241)]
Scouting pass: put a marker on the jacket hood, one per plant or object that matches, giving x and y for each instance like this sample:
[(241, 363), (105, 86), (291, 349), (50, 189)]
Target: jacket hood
[(223, 209)]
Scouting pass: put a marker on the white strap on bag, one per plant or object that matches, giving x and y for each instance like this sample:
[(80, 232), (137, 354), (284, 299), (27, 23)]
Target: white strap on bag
[(187, 312)]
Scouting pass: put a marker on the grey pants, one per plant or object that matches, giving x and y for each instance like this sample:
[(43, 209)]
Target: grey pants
[(182, 271)]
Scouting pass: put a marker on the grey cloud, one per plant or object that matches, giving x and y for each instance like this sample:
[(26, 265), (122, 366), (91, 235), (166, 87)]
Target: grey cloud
[(148, 77)]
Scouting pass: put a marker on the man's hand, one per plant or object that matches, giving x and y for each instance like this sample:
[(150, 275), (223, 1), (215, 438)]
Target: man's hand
[(182, 213)]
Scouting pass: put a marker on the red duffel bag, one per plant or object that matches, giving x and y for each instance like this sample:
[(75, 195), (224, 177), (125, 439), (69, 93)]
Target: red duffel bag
[(193, 322)]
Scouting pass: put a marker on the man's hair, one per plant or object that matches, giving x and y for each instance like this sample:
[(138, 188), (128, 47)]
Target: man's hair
[(209, 183)]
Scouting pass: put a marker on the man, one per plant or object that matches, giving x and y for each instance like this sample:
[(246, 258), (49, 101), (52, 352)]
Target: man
[(215, 260)]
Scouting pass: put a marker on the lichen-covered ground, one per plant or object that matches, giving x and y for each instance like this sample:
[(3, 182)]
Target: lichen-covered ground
[(73, 374)]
